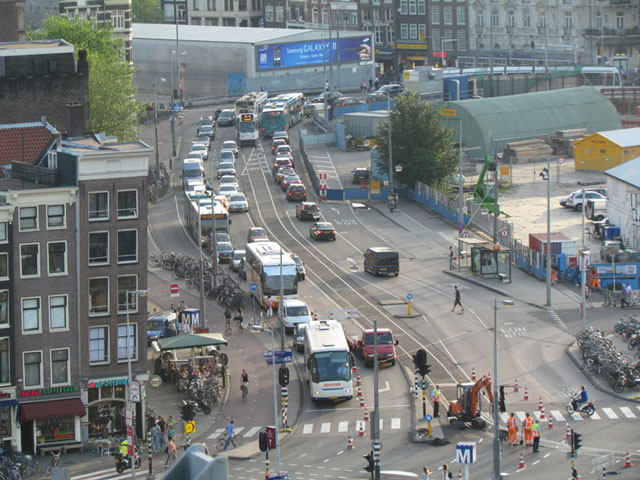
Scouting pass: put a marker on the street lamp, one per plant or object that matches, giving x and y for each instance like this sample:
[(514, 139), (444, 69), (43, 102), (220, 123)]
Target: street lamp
[(545, 174), (155, 118), (442, 42), (392, 202), (258, 329), (497, 475), (132, 458), (173, 113)]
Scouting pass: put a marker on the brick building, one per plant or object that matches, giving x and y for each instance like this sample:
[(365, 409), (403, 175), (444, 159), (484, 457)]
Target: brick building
[(12, 21)]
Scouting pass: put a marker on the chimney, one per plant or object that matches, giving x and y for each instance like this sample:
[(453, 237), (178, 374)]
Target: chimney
[(74, 119)]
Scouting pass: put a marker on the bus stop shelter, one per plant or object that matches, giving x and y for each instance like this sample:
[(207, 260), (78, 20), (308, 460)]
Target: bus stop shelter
[(491, 261), (464, 250)]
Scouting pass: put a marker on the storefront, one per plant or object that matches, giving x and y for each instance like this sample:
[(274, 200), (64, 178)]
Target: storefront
[(9, 426), (411, 55), (106, 401), (54, 421)]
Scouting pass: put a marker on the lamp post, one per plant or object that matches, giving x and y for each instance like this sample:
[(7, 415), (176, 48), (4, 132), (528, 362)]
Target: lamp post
[(545, 174), (132, 458), (155, 118), (173, 113), (497, 475), (256, 329), (442, 49)]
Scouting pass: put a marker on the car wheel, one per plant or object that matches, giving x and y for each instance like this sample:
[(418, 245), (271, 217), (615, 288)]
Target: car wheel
[(578, 207)]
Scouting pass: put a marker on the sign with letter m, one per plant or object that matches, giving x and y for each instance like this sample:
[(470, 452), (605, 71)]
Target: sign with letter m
[(466, 452)]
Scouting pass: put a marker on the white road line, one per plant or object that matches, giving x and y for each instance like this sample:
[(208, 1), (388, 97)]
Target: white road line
[(395, 423), (93, 474), (610, 413), (385, 389), (325, 427), (626, 411), (595, 416), (307, 429), (216, 434), (504, 416), (252, 431), (238, 430), (343, 426), (381, 424), (577, 417), (557, 415)]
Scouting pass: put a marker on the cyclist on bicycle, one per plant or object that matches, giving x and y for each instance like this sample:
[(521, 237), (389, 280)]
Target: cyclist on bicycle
[(245, 384), (238, 318), (229, 431)]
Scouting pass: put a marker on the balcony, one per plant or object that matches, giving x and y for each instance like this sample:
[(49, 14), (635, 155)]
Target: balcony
[(480, 29), (511, 29)]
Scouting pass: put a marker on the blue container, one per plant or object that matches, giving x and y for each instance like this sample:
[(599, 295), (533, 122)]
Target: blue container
[(451, 88), (611, 233)]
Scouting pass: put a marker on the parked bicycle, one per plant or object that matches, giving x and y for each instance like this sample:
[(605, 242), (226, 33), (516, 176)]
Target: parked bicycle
[(55, 458)]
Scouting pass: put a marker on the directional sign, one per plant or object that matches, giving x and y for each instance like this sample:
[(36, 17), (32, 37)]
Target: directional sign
[(428, 418), (409, 296), (288, 359), (466, 452), (134, 392), (286, 476), (253, 287)]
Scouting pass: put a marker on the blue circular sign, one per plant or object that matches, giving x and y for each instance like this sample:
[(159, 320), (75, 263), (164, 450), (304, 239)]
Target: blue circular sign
[(253, 286), (409, 296), (428, 418)]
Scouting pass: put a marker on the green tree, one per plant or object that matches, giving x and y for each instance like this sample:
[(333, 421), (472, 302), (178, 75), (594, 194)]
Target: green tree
[(421, 145), (112, 90), (147, 11)]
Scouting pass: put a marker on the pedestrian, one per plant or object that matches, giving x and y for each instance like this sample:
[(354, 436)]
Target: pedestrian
[(623, 296), (377, 84), (446, 473), (171, 431), (629, 293), (535, 432), (238, 318), (171, 451), (371, 90), (527, 423), (162, 424), (450, 257), (457, 300), (426, 474), (155, 435), (435, 398), (171, 423), (269, 307), (513, 430), (229, 431), (363, 86), (227, 320)]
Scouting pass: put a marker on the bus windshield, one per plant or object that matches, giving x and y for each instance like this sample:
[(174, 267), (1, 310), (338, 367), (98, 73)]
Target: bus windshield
[(327, 366), (271, 280)]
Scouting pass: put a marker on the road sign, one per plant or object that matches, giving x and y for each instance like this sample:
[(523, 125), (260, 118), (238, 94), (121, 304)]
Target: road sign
[(279, 360), (253, 287), (409, 296), (286, 476), (155, 381), (465, 234), (461, 226), (364, 185), (189, 427), (428, 418), (376, 444), (175, 292), (561, 160), (134, 392), (177, 106), (375, 187), (505, 173), (279, 353), (504, 233), (466, 452), (448, 112)]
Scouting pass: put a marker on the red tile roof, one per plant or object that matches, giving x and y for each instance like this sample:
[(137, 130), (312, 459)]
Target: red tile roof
[(23, 143)]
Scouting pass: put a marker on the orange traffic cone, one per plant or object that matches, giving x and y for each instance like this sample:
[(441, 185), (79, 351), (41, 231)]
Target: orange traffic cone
[(526, 394), (349, 442), (473, 374), (568, 434), (515, 387), (366, 414), (522, 465), (359, 380), (359, 391), (550, 422), (627, 461), (315, 315), (540, 407), (361, 432)]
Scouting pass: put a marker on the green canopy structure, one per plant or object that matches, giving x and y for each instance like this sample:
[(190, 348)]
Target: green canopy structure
[(193, 340)]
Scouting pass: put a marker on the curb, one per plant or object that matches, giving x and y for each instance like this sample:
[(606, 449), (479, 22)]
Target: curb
[(411, 315), (477, 282), (381, 212)]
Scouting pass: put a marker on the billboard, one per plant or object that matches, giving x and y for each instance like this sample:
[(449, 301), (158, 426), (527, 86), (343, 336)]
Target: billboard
[(314, 52)]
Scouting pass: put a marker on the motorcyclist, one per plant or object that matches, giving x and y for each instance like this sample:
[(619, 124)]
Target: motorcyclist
[(580, 398), (124, 451)]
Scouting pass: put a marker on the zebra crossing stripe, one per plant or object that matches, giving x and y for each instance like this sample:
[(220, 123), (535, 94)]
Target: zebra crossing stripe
[(577, 417), (236, 431), (520, 416), (252, 431), (557, 416), (395, 423), (307, 429), (216, 434), (609, 413), (595, 416), (626, 411), (381, 422), (325, 427), (504, 416), (343, 427)]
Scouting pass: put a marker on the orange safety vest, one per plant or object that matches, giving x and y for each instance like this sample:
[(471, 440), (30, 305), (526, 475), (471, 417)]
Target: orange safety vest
[(528, 422), (512, 423)]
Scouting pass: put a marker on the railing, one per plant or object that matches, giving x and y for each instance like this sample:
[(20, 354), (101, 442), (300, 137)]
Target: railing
[(34, 173)]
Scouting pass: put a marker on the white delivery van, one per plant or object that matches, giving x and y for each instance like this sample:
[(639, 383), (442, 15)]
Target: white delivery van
[(295, 311)]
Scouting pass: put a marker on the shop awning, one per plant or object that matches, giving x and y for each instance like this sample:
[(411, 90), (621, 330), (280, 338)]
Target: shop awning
[(69, 407)]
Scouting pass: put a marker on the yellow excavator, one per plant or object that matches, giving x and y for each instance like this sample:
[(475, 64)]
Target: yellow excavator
[(467, 407)]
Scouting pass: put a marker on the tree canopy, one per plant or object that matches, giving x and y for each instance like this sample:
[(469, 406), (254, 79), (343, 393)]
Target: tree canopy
[(112, 105), (147, 11), (420, 144)]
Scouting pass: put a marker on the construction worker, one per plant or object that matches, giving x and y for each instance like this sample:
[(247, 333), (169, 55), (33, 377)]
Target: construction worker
[(435, 398), (527, 423), (513, 430), (535, 432)]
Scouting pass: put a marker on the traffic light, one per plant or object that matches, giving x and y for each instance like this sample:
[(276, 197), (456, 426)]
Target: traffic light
[(283, 376), (369, 458), (575, 442), (187, 411), (420, 358), (263, 442), (424, 369), (574, 473), (501, 405)]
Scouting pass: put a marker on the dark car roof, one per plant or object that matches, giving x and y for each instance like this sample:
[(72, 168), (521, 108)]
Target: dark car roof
[(304, 205), (324, 225)]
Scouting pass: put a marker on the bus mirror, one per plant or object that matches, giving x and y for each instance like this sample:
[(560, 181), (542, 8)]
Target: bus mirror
[(230, 221)]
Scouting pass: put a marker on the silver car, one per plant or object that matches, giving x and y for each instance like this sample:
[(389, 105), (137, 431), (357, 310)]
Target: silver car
[(230, 145), (237, 256), (238, 203)]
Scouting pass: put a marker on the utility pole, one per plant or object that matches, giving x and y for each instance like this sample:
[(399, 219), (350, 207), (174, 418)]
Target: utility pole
[(497, 467), (496, 208), (213, 240), (375, 422), (460, 179), (491, 57), (583, 264), (280, 306), (201, 258)]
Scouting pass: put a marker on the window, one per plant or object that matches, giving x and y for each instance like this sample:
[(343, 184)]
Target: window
[(99, 248), (378, 34), (279, 14), (542, 20), (435, 15), (4, 308), (242, 5), (3, 232), (57, 258), (127, 283), (4, 360), (117, 18), (412, 7), (4, 266), (619, 20), (28, 219), (481, 19), (127, 246), (389, 36), (388, 15), (98, 345), (404, 30), (55, 216), (228, 5), (98, 206), (461, 44), (495, 18), (32, 369), (211, 5), (413, 31), (404, 7), (268, 13), (365, 15), (568, 19), (60, 366), (127, 204), (376, 15), (122, 342), (196, 4), (422, 32), (461, 18), (99, 296), (421, 7), (448, 15), (325, 16), (599, 20), (31, 314), (526, 20), (29, 260), (58, 312)]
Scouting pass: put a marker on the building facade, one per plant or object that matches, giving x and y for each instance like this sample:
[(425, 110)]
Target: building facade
[(225, 13), (12, 26), (623, 207)]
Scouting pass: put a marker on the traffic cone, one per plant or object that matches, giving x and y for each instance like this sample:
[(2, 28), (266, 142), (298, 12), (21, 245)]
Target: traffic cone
[(515, 387), (349, 442), (361, 432), (366, 414), (459, 474), (473, 374), (362, 404), (359, 390), (550, 422), (522, 465), (568, 434), (359, 379), (540, 407), (489, 377), (627, 461), (526, 394), (542, 417), (315, 315)]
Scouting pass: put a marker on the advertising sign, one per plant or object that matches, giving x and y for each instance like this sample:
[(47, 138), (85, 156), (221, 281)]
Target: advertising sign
[(313, 52)]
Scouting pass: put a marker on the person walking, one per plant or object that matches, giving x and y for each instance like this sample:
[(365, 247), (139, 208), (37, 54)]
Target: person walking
[(244, 384), (513, 430), (623, 297), (155, 435), (269, 307), (162, 424), (172, 452), (535, 432), (229, 431), (370, 85), (457, 300), (446, 473), (363, 87), (587, 295), (227, 320), (326, 85), (426, 474), (527, 423), (238, 318), (435, 398), (450, 258)]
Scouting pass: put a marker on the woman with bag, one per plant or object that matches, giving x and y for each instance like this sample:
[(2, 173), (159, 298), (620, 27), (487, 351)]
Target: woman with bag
[(171, 452), (446, 474)]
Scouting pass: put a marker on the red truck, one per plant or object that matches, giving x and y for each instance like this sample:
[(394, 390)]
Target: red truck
[(362, 347)]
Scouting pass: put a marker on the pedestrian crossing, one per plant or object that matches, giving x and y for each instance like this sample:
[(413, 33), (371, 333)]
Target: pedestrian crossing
[(606, 413), (322, 427)]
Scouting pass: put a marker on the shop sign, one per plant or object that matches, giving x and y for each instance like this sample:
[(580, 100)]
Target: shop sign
[(45, 391), (411, 46), (109, 382), (4, 395)]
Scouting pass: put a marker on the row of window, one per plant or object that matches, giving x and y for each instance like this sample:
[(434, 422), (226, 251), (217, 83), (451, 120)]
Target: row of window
[(99, 353), (99, 295), (413, 7), (99, 205), (243, 5), (447, 17)]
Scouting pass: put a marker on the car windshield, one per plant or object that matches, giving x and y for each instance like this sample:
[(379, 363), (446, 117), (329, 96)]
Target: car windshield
[(258, 232), (237, 255), (237, 198), (297, 311), (226, 166), (296, 188), (225, 114), (228, 179), (226, 154), (154, 325), (224, 247), (383, 338), (297, 261), (227, 187), (229, 144)]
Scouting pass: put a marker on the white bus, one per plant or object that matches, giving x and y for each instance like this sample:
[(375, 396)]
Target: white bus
[(263, 260), (328, 361), (247, 128), (197, 211), (252, 102)]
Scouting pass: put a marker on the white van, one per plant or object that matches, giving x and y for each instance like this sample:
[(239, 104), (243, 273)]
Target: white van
[(596, 209), (295, 311)]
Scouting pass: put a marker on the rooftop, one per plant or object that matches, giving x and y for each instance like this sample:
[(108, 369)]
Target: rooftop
[(625, 137), (25, 142), (628, 172), (19, 49)]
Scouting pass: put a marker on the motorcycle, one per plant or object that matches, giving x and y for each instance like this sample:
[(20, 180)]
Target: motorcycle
[(588, 407), (122, 463)]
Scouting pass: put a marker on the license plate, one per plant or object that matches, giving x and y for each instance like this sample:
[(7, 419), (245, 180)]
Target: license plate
[(383, 268)]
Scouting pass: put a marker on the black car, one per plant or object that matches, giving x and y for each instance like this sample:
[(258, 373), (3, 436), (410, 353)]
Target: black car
[(301, 274), (226, 118), (322, 231), (306, 210), (359, 174), (346, 101)]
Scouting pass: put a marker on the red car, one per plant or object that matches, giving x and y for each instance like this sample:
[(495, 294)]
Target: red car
[(289, 180), (257, 234), (297, 193), (277, 143)]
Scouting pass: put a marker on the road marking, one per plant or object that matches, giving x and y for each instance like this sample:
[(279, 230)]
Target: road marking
[(595, 416), (343, 426), (610, 413), (237, 430), (395, 423), (536, 462), (381, 422), (557, 415), (360, 423), (627, 412), (546, 455), (252, 431), (386, 387), (521, 416), (504, 416), (307, 429), (215, 434), (325, 427), (93, 474), (577, 417)]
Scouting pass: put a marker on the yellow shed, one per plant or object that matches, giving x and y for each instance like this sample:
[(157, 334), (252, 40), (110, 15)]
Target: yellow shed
[(605, 150)]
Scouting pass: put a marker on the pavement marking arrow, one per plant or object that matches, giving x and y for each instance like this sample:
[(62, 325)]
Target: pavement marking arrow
[(386, 388)]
